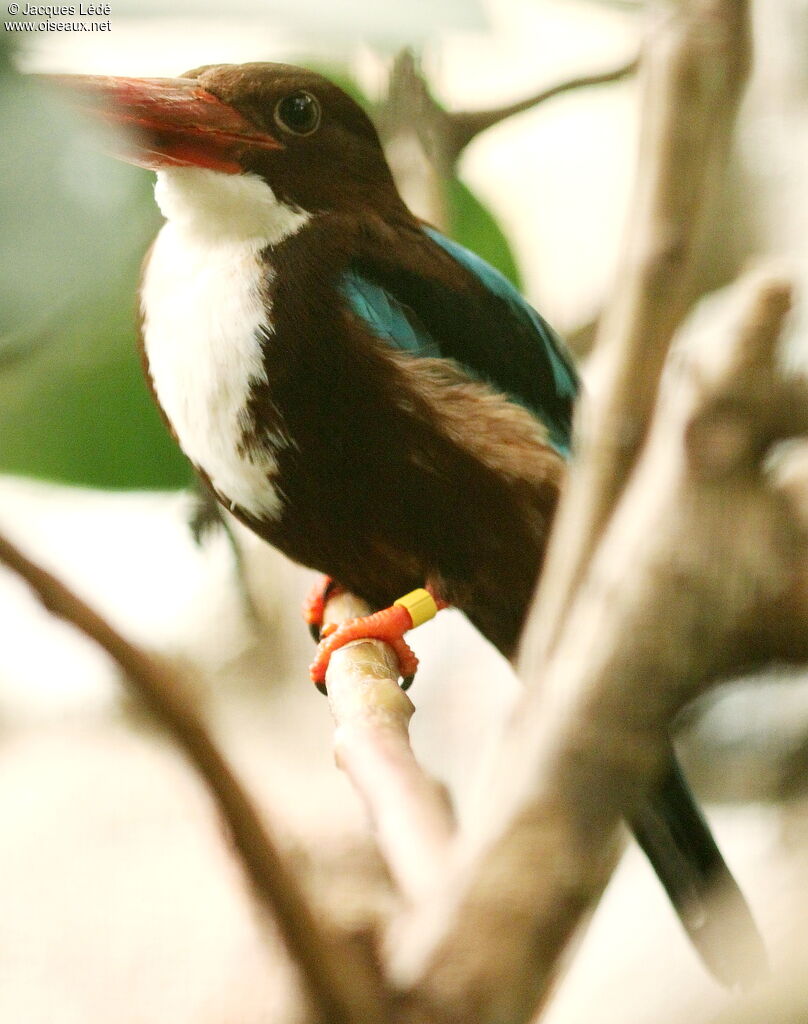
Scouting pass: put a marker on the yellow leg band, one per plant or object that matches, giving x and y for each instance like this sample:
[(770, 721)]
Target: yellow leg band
[(420, 604)]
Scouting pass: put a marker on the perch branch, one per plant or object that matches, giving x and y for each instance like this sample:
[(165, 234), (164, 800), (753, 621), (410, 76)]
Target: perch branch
[(335, 991), (410, 811), (700, 601), (695, 68)]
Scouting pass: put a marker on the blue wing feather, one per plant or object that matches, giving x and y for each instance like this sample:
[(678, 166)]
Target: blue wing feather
[(563, 371), (386, 316), (503, 341)]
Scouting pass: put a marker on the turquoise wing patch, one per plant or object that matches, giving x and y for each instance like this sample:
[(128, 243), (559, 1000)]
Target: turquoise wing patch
[(485, 326), (564, 372), (387, 318)]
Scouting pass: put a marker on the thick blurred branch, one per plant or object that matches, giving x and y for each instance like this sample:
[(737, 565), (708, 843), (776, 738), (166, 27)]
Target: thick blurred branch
[(338, 991), (700, 602), (630, 649), (695, 69), (411, 812), (783, 1001)]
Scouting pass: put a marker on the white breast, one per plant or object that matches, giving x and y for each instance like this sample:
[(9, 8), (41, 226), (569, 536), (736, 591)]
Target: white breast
[(203, 307)]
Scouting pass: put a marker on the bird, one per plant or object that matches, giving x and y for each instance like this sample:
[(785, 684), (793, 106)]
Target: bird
[(362, 392)]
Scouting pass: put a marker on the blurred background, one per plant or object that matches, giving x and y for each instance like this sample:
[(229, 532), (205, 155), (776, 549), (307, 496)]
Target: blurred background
[(115, 879)]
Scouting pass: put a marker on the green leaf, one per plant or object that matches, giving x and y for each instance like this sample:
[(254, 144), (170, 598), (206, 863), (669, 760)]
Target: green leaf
[(74, 224), (78, 410), (474, 226)]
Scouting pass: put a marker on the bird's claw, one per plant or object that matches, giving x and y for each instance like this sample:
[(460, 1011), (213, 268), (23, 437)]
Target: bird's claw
[(314, 606)]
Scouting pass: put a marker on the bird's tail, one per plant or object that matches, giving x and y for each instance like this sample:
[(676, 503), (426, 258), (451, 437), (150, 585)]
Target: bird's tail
[(673, 834)]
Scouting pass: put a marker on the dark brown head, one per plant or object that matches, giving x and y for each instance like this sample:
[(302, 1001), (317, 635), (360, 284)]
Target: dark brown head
[(301, 134)]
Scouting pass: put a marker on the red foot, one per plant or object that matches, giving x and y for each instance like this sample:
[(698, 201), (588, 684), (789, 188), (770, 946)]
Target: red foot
[(314, 606), (390, 625)]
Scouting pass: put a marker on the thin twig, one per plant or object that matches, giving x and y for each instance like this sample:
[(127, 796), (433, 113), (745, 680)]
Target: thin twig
[(423, 141), (336, 991), (410, 811), (464, 126)]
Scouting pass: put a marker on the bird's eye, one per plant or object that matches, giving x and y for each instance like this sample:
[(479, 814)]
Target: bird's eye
[(299, 112)]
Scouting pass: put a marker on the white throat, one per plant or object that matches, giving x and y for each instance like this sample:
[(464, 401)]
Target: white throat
[(205, 303), (225, 207)]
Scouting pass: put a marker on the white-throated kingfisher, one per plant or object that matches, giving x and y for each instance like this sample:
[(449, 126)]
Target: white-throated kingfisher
[(362, 392)]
